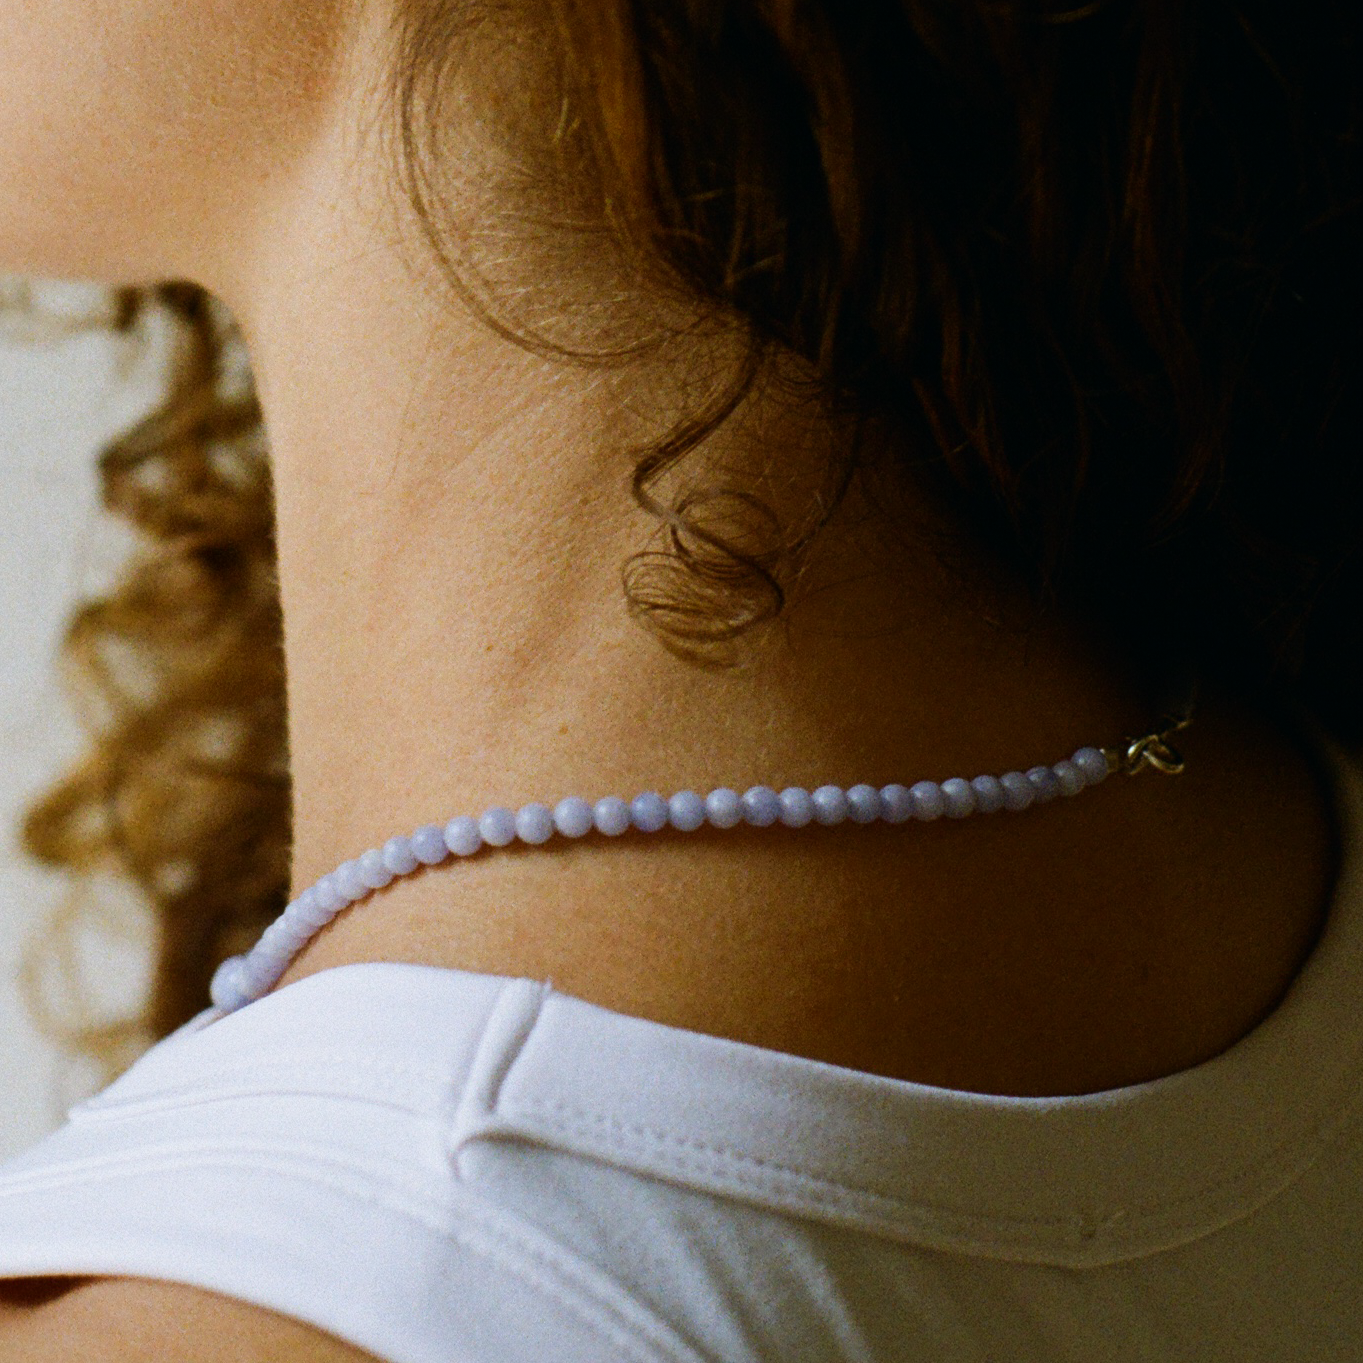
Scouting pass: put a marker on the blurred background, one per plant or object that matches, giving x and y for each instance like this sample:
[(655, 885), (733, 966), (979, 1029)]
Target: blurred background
[(64, 390)]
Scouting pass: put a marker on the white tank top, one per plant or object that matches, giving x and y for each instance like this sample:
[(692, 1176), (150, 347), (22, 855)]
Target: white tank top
[(439, 1166)]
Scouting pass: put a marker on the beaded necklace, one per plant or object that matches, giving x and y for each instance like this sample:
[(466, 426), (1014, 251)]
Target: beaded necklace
[(242, 979)]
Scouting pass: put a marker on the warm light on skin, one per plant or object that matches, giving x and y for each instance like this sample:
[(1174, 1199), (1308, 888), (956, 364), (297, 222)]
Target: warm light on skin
[(135, 139), (453, 514)]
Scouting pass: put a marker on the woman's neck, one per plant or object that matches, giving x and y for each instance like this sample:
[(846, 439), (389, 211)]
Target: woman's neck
[(453, 514)]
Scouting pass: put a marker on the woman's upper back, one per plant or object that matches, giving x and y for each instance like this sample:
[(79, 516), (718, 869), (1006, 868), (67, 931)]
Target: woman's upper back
[(431, 1165)]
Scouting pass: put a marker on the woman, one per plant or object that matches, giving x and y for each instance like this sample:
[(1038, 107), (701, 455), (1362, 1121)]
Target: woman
[(950, 381)]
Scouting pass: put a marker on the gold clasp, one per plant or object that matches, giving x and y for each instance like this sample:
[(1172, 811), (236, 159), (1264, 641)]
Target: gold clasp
[(1151, 750)]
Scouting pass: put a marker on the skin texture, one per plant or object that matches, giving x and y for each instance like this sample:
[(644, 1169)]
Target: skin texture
[(135, 138), (453, 513), (110, 1320)]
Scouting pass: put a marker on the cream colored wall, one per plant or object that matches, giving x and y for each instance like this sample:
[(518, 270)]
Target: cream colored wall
[(59, 400)]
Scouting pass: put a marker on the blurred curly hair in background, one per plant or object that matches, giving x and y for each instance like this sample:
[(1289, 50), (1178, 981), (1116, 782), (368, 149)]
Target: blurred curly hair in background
[(178, 676)]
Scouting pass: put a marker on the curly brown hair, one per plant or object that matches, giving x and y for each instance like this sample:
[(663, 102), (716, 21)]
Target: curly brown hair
[(178, 675), (1087, 273)]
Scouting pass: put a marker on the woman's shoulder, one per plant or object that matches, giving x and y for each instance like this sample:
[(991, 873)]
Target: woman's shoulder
[(131, 1320)]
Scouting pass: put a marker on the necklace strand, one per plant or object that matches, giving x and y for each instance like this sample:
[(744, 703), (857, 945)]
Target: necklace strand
[(243, 979)]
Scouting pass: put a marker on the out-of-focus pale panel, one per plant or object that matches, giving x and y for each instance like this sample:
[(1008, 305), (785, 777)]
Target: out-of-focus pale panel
[(60, 399)]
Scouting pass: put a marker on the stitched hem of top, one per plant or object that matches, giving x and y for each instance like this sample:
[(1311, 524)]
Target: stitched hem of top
[(1089, 1238)]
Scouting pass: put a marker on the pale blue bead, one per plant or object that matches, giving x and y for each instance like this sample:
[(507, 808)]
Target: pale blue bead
[(259, 970), (372, 870), (863, 803), (332, 885), (428, 845), (260, 974), (267, 941), (497, 825), (308, 910), (534, 823), (297, 910), (928, 801), (686, 811), (611, 816), (269, 957), (328, 896), (398, 856), (648, 812), (958, 798), (896, 803), (1018, 792), (462, 836), (797, 807), (283, 939), (761, 806), (1092, 763), (723, 808), (1070, 777), (316, 918), (297, 935), (830, 805), (349, 881), (312, 901), (988, 794), (226, 989), (573, 817), (1045, 782)]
